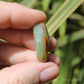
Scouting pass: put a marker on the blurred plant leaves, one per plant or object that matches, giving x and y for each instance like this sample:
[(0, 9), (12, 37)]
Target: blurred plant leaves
[(81, 73), (62, 79), (79, 19), (62, 31), (78, 35), (76, 16), (56, 5), (45, 4), (70, 36), (62, 14), (28, 3), (76, 61)]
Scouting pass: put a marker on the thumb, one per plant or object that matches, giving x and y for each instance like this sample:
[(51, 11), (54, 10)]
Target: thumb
[(29, 73)]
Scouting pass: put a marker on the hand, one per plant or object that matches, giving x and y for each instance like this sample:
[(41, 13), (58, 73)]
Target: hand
[(16, 23)]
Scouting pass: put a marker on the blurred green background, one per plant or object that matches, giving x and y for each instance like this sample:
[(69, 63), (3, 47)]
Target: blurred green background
[(65, 21)]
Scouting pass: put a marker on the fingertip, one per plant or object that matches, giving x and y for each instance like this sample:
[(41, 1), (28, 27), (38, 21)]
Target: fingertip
[(38, 16), (52, 43), (58, 61), (18, 16), (41, 13), (22, 17), (47, 75), (54, 58)]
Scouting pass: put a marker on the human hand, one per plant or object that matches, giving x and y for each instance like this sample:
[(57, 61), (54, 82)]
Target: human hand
[(16, 23)]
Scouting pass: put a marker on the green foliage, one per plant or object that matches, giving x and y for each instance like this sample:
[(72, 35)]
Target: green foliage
[(70, 36), (61, 14), (45, 4), (28, 3)]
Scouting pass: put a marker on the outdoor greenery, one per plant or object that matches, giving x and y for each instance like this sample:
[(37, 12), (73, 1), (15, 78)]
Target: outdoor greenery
[(65, 21)]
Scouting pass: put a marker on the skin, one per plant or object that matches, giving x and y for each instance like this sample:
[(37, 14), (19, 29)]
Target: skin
[(19, 65)]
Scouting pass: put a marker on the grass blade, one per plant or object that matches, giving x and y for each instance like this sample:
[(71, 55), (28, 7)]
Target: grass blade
[(62, 14), (45, 4), (28, 3)]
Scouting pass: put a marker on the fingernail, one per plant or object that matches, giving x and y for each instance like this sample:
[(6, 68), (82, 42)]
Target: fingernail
[(49, 74), (52, 43), (58, 62), (53, 39)]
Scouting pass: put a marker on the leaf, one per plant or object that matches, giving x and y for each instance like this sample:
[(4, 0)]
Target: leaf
[(45, 4), (65, 52), (1, 40), (62, 14), (62, 30), (81, 74), (28, 3), (55, 6), (75, 61), (76, 16), (79, 18), (78, 35)]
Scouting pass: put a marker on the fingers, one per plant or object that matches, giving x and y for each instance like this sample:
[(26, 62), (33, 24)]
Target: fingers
[(19, 17), (52, 43), (15, 54), (15, 36), (24, 73), (53, 58), (24, 37), (12, 54)]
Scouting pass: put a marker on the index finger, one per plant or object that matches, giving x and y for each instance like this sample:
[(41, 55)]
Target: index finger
[(19, 17)]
